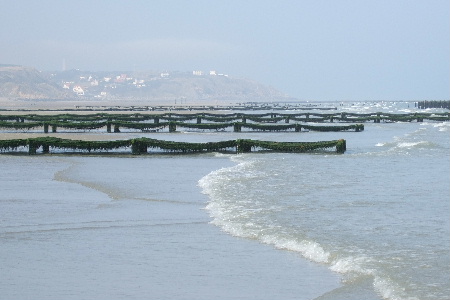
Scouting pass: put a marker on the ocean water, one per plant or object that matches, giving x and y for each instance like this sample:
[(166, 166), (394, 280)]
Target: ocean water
[(372, 223), (96, 227), (379, 215)]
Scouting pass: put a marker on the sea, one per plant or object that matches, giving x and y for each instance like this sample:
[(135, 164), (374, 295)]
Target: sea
[(372, 223)]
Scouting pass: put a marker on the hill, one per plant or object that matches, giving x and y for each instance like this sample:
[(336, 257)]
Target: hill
[(17, 82)]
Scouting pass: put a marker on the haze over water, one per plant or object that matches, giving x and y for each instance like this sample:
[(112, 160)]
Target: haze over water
[(311, 50)]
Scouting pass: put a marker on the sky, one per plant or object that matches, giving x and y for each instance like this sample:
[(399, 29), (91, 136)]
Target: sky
[(313, 50)]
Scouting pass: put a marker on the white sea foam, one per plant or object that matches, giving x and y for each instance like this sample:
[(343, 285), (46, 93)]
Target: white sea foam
[(409, 144), (390, 290), (444, 126), (383, 285), (308, 249), (352, 264), (419, 145), (236, 220)]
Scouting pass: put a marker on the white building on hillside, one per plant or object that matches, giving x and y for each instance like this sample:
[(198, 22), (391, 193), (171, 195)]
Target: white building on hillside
[(78, 90)]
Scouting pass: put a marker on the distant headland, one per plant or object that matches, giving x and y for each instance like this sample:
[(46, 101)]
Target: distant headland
[(19, 83)]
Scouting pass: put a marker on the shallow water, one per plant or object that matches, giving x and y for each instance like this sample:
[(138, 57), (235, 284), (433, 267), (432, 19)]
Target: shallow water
[(379, 213), (372, 223), (131, 228)]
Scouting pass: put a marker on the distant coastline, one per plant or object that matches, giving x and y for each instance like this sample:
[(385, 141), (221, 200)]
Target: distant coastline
[(19, 83)]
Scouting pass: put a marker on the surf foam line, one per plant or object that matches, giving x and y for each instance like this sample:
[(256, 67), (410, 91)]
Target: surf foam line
[(235, 219), (228, 217)]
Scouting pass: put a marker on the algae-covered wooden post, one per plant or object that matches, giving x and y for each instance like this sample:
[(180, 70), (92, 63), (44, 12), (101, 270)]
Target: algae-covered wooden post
[(237, 127), (331, 119), (45, 128), (298, 127), (307, 117), (341, 146), (156, 120), (45, 148), (138, 147), (199, 120), (242, 146), (32, 147), (244, 119), (116, 128), (172, 127), (54, 128), (377, 119), (108, 127), (135, 147), (287, 120)]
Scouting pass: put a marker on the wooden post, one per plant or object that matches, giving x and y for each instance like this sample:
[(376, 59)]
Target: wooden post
[(138, 147), (242, 146), (108, 127), (237, 127), (116, 128), (377, 118), (298, 127), (287, 120), (31, 147), (199, 120), (54, 128), (341, 146), (45, 128), (156, 120), (45, 148), (172, 127)]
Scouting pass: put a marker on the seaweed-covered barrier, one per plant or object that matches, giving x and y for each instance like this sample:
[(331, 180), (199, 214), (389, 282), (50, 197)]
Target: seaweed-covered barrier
[(141, 145), (172, 125), (208, 121), (102, 119)]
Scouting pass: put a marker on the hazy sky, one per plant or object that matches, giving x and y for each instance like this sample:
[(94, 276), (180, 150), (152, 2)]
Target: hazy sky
[(309, 49)]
